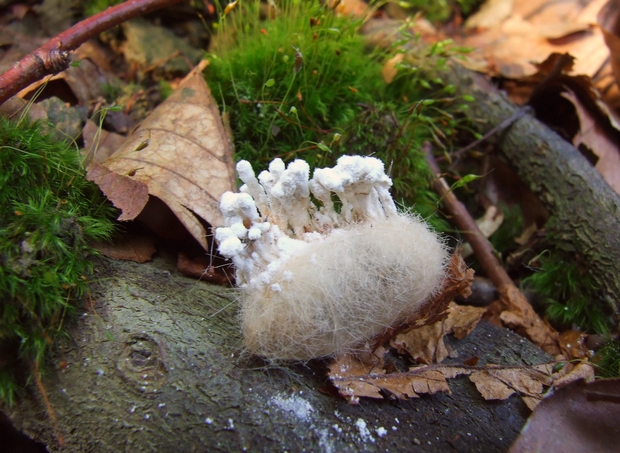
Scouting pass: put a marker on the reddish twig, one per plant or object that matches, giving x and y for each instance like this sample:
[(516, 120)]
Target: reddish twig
[(54, 56), (46, 402), (518, 313), (480, 245)]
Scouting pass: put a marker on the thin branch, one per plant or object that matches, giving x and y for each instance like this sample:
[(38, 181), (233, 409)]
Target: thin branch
[(54, 56), (480, 245), (46, 402), (518, 313), (500, 127)]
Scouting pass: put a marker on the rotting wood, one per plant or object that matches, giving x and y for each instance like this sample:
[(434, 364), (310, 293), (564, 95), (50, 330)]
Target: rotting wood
[(157, 354)]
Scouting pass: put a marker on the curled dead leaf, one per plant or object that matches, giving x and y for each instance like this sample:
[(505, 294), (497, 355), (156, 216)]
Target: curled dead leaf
[(125, 193), (518, 314), (343, 374), (181, 153), (128, 247), (498, 383), (457, 282), (572, 344), (426, 344), (582, 370)]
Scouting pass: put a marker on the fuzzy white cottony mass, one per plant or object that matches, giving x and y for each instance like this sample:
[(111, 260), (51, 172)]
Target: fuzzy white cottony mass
[(318, 281)]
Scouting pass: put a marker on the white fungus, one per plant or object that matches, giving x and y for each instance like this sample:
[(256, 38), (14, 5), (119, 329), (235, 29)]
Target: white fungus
[(321, 279), (363, 430)]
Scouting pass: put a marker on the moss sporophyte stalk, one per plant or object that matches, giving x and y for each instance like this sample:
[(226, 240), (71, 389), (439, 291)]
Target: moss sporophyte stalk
[(48, 215), (298, 81)]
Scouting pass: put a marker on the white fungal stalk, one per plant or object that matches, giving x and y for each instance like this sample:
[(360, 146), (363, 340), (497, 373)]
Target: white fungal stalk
[(317, 281)]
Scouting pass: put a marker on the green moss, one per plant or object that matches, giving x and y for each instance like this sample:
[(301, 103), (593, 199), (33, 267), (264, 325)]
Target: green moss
[(440, 10), (607, 360), (48, 212), (305, 85), (92, 7), (569, 294), (503, 240)]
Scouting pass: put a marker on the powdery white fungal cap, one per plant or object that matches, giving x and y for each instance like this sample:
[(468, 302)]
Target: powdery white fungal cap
[(317, 281)]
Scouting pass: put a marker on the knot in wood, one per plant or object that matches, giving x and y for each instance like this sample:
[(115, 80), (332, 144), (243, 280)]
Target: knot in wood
[(141, 363), (56, 61)]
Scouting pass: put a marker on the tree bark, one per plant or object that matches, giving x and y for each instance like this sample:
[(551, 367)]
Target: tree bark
[(585, 209), (156, 365)]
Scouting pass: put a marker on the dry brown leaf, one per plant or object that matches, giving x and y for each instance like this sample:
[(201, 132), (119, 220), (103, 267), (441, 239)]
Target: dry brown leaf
[(203, 268), (518, 314), (572, 345), (489, 387), (594, 136), (582, 370), (457, 282), (127, 194), (343, 370), (487, 224), (182, 154), (354, 377), (534, 30), (99, 143), (463, 319), (608, 18), (492, 12), (426, 343), (499, 383), (578, 418), (345, 376), (355, 8), (128, 247)]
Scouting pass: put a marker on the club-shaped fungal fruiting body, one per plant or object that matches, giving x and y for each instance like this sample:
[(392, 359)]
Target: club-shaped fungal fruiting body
[(316, 280)]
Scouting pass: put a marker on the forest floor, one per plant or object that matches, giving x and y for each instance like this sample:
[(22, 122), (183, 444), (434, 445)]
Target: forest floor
[(157, 348)]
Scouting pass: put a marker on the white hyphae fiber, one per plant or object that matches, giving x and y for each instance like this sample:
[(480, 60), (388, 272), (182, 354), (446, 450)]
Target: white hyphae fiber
[(316, 281)]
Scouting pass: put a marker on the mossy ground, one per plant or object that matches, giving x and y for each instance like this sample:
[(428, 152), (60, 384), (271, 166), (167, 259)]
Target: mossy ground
[(48, 213), (563, 287), (298, 81)]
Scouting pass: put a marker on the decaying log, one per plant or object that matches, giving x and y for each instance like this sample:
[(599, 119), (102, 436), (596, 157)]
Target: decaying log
[(585, 211), (154, 365)]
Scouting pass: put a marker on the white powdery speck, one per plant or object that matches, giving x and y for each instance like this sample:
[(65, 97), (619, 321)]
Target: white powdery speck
[(363, 429), (325, 442), (295, 404), (381, 431)]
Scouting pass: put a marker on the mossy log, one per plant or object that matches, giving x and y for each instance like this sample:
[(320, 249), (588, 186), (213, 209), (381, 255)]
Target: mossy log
[(154, 365), (585, 210)]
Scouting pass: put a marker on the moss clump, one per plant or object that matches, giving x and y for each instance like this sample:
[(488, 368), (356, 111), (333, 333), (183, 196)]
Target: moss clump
[(441, 10), (503, 240), (48, 213), (569, 294), (607, 360), (303, 84)]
